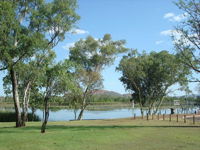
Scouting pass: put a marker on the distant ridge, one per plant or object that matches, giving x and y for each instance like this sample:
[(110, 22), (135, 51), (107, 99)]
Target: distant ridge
[(110, 93)]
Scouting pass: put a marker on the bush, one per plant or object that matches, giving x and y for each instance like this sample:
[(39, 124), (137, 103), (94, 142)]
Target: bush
[(10, 117)]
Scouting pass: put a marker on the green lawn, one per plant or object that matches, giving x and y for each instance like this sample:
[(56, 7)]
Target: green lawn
[(118, 134)]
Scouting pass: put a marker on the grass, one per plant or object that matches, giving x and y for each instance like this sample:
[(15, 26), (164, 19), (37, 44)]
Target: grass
[(116, 134)]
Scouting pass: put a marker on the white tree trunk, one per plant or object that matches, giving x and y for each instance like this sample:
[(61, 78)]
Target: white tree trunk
[(16, 97)]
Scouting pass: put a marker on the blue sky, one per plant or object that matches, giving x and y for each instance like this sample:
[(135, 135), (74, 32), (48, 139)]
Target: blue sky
[(144, 24)]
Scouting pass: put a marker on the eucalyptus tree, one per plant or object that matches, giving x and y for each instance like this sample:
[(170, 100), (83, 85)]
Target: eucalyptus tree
[(149, 76), (93, 55), (28, 76), (73, 98), (57, 80), (29, 26), (187, 34)]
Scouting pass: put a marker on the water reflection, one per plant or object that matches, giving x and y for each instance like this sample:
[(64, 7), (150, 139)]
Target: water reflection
[(68, 114)]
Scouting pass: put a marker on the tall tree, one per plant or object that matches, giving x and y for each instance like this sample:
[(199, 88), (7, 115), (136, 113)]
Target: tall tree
[(73, 98), (93, 55), (57, 80), (28, 77), (29, 26), (187, 35), (149, 76)]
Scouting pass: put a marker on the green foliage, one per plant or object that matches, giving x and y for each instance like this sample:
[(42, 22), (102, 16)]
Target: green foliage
[(109, 98), (36, 98), (30, 73), (187, 43), (11, 117), (27, 27), (58, 78), (92, 56), (149, 76)]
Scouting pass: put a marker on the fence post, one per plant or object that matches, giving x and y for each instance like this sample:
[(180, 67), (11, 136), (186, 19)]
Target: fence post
[(147, 116), (158, 117), (193, 119), (170, 117), (184, 118), (177, 118), (163, 116), (134, 116), (142, 116), (152, 116)]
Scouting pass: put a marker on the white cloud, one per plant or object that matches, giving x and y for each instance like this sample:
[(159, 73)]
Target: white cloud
[(166, 32), (178, 36), (169, 15), (68, 45), (79, 31), (159, 42), (175, 18), (170, 33), (73, 31)]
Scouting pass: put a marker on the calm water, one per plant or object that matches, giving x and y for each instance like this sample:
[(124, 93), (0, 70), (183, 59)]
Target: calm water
[(68, 114)]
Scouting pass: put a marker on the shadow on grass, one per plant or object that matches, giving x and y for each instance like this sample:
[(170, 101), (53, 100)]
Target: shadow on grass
[(35, 129)]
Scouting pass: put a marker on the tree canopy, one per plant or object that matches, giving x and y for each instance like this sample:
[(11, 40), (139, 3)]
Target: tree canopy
[(149, 76), (92, 55), (187, 34), (27, 27)]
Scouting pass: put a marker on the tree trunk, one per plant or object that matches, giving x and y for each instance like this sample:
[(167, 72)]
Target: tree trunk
[(83, 104), (33, 112), (16, 97), (81, 113), (141, 110), (158, 106), (46, 114), (75, 113), (150, 108), (82, 108), (25, 104)]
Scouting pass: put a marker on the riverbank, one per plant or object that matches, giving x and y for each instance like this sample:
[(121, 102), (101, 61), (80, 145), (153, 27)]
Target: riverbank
[(106, 111), (99, 106), (114, 134)]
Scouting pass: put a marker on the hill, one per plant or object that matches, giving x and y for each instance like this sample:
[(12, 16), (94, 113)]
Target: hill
[(110, 93)]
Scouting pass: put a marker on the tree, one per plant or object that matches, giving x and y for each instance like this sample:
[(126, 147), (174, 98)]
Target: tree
[(28, 77), (29, 26), (36, 100), (57, 80), (92, 56), (149, 76), (187, 39), (73, 99)]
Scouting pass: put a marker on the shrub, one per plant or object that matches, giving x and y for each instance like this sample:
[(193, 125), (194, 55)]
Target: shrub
[(10, 117)]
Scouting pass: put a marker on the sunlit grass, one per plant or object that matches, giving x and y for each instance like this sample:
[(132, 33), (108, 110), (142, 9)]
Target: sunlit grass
[(115, 134)]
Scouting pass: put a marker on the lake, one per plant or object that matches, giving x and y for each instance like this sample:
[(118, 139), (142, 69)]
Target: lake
[(68, 114)]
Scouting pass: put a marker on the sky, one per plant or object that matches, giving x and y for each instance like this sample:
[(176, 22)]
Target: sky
[(144, 24)]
